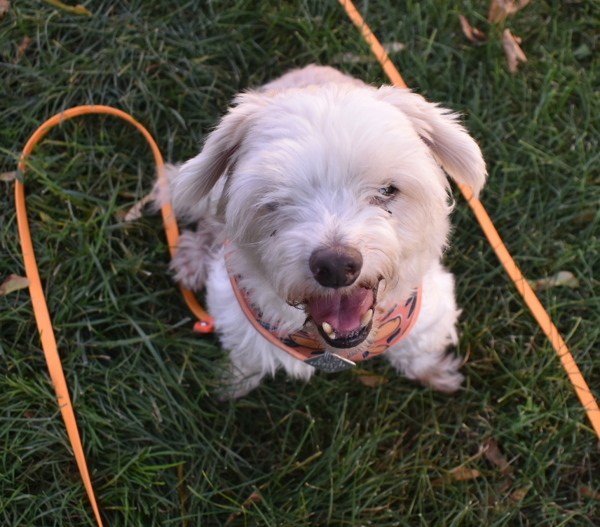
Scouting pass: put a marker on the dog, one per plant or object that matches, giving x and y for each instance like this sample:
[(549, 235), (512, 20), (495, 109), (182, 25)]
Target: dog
[(321, 207)]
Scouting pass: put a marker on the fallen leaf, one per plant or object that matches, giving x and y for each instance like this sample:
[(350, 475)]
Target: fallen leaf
[(519, 494), (120, 215), (13, 283), (372, 380), (464, 473), (492, 453), (461, 473), (23, 46), (472, 33), (77, 10), (500, 10), (4, 7), (254, 498), (81, 10), (514, 53), (586, 216), (135, 212), (150, 68), (588, 492), (560, 279), (8, 176)]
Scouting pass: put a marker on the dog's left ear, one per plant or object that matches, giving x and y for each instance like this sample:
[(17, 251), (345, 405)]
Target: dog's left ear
[(455, 150)]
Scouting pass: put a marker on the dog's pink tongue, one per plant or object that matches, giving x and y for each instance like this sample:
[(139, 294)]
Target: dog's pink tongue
[(342, 312)]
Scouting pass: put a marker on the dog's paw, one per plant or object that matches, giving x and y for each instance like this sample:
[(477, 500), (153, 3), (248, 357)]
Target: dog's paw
[(436, 370), (191, 260), (443, 375), (235, 385)]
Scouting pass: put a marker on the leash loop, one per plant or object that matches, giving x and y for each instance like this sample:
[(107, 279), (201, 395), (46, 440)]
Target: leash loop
[(40, 307)]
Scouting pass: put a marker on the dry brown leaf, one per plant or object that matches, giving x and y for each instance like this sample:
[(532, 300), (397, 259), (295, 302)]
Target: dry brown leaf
[(461, 473), (4, 7), (13, 283), (464, 473), (120, 214), (587, 216), (560, 279), (136, 212), (500, 10), (514, 53), (372, 380), (23, 46), (255, 497), (492, 453), (519, 494), (588, 492), (472, 33), (8, 176)]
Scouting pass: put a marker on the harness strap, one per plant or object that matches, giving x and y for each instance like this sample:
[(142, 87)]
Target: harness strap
[(394, 326)]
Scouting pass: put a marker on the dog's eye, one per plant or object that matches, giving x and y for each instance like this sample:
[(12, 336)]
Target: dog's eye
[(271, 206), (388, 191)]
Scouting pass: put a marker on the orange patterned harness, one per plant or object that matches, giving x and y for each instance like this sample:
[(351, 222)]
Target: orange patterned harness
[(305, 346)]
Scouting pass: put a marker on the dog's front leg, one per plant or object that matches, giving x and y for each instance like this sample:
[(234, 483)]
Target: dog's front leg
[(426, 355), (251, 362), (251, 356)]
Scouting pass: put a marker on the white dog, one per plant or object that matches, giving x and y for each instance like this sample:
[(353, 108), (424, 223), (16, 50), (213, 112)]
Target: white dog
[(322, 210)]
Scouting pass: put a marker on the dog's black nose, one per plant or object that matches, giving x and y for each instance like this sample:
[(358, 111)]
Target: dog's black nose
[(336, 266)]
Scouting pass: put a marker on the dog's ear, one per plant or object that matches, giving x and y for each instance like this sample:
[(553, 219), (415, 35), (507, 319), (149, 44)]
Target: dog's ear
[(199, 175), (455, 150)]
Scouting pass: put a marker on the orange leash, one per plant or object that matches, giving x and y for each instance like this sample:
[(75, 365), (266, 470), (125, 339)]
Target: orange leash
[(537, 309), (40, 307)]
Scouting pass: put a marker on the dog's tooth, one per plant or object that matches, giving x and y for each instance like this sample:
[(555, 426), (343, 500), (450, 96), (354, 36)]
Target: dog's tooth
[(328, 329), (366, 318)]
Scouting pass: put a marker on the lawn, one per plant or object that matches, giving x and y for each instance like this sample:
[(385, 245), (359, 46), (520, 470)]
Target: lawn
[(511, 448)]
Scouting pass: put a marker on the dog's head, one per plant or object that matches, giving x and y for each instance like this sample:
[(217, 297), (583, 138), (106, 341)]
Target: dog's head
[(335, 198)]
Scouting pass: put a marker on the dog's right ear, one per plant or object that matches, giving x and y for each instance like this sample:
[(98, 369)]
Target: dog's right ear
[(449, 142), (199, 175)]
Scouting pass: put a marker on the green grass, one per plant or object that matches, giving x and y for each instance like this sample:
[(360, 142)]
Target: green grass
[(161, 449)]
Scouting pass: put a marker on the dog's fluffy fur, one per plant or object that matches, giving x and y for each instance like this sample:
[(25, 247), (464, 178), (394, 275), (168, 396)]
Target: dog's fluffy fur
[(319, 161)]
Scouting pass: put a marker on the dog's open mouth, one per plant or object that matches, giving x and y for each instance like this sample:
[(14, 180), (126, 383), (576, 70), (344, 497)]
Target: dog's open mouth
[(344, 320)]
